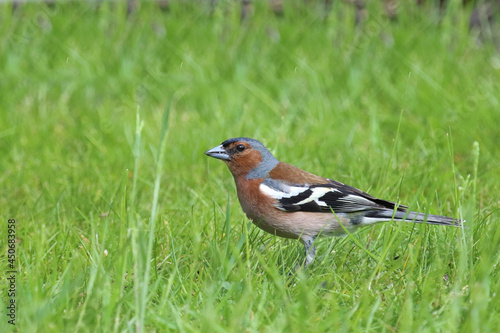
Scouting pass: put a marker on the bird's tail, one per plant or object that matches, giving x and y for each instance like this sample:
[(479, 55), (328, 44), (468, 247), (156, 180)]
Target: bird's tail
[(406, 216)]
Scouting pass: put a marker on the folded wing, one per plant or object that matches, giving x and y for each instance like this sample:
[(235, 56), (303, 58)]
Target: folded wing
[(333, 195)]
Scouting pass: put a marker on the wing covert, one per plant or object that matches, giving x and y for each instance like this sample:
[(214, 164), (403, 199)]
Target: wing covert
[(334, 196)]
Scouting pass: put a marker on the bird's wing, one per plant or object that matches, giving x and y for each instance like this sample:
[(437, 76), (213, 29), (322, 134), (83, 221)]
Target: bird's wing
[(323, 197)]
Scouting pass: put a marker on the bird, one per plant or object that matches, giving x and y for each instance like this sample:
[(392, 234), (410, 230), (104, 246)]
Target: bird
[(289, 202)]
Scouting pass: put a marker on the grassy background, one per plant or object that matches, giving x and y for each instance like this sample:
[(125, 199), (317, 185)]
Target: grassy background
[(393, 108)]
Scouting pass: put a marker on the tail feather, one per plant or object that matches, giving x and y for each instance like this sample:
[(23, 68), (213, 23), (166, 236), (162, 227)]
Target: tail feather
[(407, 216)]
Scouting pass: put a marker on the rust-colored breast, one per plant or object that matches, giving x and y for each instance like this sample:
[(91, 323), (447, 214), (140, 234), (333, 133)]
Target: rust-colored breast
[(252, 200)]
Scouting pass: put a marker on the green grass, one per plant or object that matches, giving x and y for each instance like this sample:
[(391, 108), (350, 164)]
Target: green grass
[(124, 224)]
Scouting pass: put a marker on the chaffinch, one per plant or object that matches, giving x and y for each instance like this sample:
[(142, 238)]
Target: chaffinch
[(289, 202)]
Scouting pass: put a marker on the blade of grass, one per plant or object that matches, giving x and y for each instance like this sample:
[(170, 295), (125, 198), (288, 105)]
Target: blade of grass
[(153, 217)]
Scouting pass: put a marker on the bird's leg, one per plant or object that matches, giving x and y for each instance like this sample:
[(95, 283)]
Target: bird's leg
[(310, 250)]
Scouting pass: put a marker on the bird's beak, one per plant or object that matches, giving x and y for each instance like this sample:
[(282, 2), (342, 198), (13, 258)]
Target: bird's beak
[(218, 152)]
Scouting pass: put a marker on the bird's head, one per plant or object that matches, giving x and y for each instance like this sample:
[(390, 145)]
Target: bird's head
[(245, 157)]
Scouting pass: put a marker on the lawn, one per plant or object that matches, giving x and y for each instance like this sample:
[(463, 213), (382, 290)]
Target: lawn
[(123, 224)]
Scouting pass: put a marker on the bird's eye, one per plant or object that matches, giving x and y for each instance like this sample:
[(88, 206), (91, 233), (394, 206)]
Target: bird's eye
[(240, 147)]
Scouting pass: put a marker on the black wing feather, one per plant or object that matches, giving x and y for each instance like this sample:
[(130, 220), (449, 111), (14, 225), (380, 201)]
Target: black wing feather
[(341, 198)]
